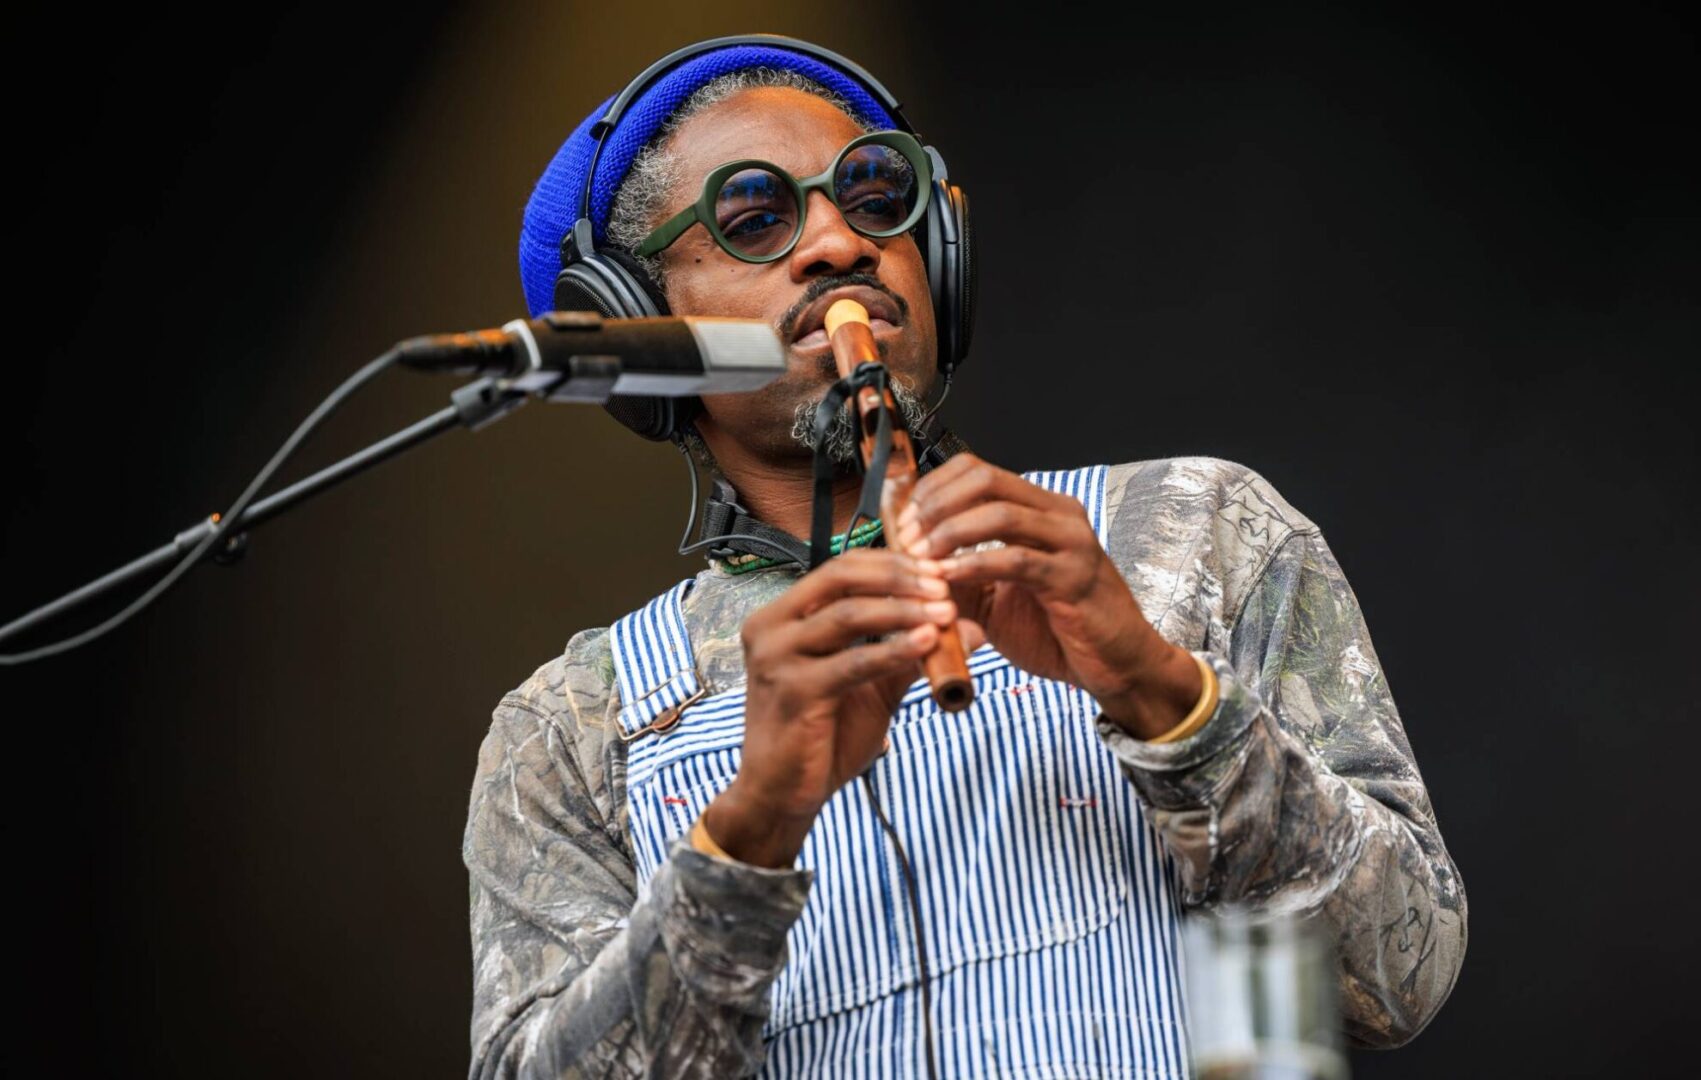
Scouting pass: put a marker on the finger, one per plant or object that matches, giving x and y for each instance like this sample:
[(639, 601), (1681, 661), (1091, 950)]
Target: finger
[(951, 467), (942, 494), (866, 663), (971, 634), (1011, 523), (1047, 575), (892, 686), (973, 599), (840, 624), (860, 571), (880, 572)]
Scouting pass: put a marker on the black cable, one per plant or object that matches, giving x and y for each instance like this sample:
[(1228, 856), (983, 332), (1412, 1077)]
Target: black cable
[(226, 523), (919, 431), (910, 891), (943, 394), (868, 374)]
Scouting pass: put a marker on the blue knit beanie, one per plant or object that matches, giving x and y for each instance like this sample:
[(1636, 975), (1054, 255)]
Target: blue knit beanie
[(554, 204)]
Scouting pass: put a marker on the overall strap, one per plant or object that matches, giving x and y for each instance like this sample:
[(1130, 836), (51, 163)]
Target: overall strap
[(1085, 484), (653, 664)]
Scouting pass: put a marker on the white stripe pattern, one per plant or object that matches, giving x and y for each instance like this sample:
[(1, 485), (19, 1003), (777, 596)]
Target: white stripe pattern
[(1048, 904), (653, 659)]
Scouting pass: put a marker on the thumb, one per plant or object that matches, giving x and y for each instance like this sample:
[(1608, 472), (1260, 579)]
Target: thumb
[(972, 598), (973, 635), (891, 687)]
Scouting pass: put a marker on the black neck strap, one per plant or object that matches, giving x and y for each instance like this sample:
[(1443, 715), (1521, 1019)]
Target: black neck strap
[(724, 516), (869, 375)]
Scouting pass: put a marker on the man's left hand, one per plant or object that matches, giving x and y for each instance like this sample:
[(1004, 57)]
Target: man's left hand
[(1047, 596)]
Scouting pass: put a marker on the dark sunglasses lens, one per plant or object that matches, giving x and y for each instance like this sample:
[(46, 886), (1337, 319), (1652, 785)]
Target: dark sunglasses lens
[(876, 188), (756, 212)]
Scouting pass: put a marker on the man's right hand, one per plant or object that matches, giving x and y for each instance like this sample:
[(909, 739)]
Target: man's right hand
[(819, 698)]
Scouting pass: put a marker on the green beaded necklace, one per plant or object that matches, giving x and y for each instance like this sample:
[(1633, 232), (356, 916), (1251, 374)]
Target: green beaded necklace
[(861, 536)]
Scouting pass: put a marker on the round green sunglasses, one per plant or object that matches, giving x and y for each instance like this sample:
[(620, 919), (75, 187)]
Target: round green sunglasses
[(880, 183)]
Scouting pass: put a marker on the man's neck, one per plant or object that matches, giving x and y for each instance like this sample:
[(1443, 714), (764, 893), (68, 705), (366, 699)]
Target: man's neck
[(782, 494)]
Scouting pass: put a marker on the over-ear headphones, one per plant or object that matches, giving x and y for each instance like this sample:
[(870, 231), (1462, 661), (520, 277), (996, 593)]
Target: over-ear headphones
[(612, 283)]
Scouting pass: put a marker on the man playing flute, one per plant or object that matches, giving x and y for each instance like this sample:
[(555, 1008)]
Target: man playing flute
[(732, 833)]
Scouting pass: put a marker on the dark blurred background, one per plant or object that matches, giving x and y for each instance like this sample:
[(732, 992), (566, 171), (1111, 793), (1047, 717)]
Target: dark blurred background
[(1433, 274)]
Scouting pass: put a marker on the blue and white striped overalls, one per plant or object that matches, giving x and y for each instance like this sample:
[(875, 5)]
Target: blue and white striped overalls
[(1048, 905)]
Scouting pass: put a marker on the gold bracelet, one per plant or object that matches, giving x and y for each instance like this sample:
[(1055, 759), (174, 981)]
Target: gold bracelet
[(1202, 711), (702, 841)]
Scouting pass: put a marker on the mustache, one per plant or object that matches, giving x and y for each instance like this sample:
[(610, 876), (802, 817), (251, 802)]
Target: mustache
[(821, 286)]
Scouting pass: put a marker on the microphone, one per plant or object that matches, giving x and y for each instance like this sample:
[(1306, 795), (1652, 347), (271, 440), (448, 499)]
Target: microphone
[(581, 356)]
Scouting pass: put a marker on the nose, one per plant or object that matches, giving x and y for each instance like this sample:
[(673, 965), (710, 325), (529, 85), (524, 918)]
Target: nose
[(829, 245)]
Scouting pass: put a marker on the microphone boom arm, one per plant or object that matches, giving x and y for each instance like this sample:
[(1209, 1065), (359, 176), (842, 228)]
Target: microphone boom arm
[(474, 406), (559, 356)]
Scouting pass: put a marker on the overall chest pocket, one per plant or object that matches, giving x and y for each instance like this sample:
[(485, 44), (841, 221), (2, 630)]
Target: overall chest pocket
[(1012, 813)]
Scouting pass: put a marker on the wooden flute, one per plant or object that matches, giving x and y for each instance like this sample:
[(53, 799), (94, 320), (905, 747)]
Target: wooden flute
[(946, 667)]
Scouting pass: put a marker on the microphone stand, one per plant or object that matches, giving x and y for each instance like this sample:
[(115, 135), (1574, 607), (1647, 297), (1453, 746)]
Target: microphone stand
[(474, 406)]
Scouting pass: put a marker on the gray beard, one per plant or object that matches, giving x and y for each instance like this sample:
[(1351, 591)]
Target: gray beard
[(844, 436)]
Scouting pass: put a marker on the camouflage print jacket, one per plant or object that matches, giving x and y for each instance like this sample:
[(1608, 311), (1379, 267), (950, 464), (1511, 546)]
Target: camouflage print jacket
[(1299, 793)]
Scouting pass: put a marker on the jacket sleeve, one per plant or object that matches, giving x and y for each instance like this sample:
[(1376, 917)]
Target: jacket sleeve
[(1301, 794), (576, 971)]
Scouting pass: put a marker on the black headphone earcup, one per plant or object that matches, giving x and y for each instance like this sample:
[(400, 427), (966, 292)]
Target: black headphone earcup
[(640, 280), (949, 254), (614, 285), (610, 283), (965, 275)]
